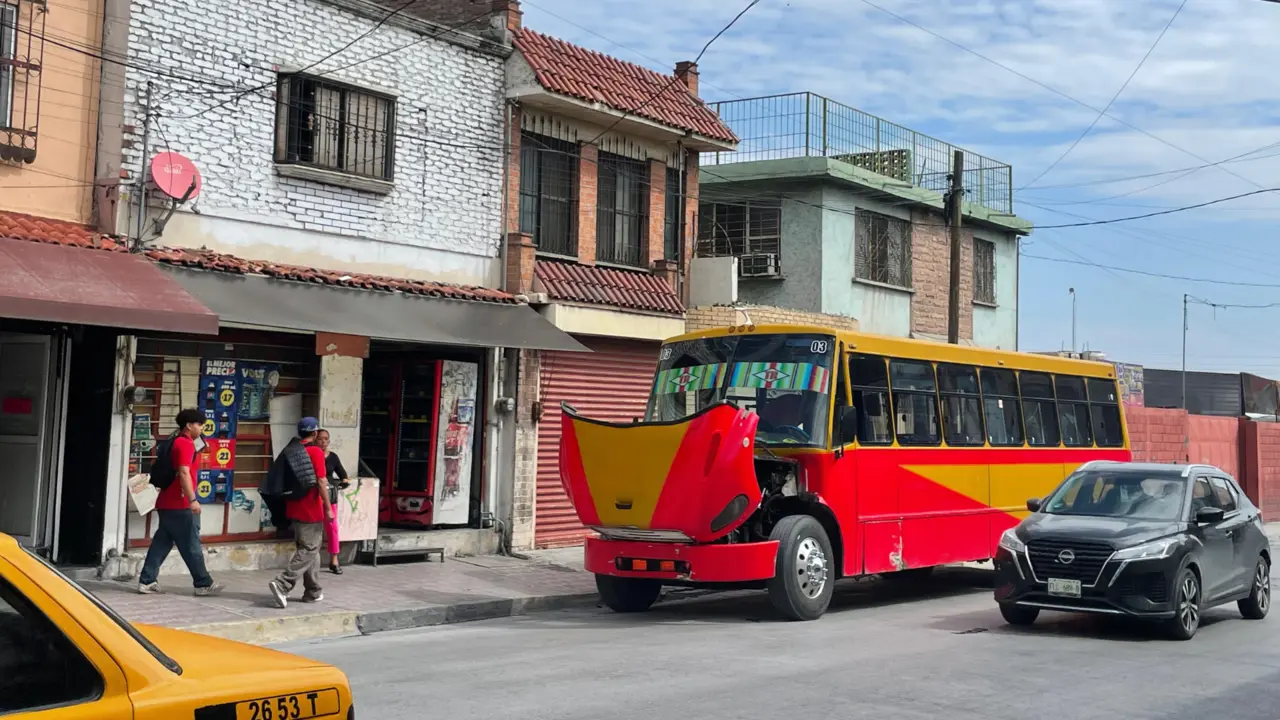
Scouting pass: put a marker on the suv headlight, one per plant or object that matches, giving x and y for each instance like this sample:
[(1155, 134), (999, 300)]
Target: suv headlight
[(1148, 551), (1009, 541)]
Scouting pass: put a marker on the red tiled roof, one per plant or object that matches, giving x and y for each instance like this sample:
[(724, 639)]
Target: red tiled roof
[(61, 232), (20, 226), (637, 290), (210, 260), (588, 75)]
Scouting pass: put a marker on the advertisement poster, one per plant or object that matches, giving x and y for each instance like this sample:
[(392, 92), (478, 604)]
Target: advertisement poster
[(258, 383), (220, 398), (458, 385), (215, 470)]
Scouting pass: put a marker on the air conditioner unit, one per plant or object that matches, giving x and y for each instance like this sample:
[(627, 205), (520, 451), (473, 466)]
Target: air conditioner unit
[(759, 265)]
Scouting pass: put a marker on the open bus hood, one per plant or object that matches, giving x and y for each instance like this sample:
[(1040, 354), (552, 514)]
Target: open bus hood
[(693, 479)]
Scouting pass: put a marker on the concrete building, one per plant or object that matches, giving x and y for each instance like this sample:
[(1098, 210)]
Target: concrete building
[(830, 210), (603, 189), (298, 211)]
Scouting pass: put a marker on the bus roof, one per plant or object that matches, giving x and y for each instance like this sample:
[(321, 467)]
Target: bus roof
[(913, 349)]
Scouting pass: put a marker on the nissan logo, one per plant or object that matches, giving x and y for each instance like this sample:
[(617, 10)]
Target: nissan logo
[(1066, 557)]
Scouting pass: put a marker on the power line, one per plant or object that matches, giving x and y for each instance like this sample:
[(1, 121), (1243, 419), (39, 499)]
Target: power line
[(1146, 273), (1170, 211), (676, 78), (1054, 90), (1242, 157), (1113, 99)]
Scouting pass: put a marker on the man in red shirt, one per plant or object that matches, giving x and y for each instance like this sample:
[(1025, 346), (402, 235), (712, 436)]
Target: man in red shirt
[(308, 515), (179, 514)]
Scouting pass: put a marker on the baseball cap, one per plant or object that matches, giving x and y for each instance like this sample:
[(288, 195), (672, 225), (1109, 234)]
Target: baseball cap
[(308, 425)]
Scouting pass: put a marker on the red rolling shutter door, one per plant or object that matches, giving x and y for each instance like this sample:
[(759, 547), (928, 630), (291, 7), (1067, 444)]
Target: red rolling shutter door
[(611, 383)]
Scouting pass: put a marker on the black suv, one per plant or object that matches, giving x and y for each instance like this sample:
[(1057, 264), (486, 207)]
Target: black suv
[(1159, 542)]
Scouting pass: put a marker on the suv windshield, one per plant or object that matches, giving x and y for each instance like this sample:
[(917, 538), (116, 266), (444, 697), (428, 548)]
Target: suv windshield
[(1139, 495), (169, 663), (786, 379)]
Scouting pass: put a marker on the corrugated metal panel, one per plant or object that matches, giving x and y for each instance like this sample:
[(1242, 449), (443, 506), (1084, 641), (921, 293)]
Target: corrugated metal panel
[(610, 383), (1207, 393)]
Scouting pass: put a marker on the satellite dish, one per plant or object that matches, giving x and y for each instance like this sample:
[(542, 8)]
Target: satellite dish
[(175, 176)]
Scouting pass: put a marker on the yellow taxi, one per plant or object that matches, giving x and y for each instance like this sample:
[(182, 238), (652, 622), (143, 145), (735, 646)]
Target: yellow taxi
[(64, 655)]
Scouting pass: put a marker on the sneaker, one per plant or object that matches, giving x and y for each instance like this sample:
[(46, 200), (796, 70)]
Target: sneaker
[(309, 598), (149, 589), (279, 593), (214, 589)]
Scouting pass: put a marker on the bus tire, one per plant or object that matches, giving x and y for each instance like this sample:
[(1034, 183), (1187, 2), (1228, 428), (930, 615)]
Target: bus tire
[(803, 580), (627, 595)]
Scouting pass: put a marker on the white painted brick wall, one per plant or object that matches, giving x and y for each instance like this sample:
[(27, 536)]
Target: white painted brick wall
[(445, 197)]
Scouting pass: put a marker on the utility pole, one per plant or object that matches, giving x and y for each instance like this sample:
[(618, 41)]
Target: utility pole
[(1073, 319), (1184, 352), (142, 175), (954, 197)]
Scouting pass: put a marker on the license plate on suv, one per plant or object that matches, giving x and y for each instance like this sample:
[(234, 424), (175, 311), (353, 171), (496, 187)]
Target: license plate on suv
[(1064, 588)]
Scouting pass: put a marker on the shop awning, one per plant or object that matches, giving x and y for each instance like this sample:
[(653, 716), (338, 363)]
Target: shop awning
[(56, 283), (256, 301)]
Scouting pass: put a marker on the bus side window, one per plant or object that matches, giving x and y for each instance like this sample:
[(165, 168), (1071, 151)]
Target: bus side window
[(961, 405), (846, 428), (1073, 412), (1104, 405), (869, 380), (915, 402), (1039, 409), (1000, 407)]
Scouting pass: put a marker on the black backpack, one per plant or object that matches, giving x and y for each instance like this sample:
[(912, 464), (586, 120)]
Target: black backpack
[(292, 475), (163, 472)]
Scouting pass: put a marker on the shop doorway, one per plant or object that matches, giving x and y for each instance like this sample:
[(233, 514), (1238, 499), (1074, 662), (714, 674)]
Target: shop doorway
[(31, 401), (421, 434), (89, 407)]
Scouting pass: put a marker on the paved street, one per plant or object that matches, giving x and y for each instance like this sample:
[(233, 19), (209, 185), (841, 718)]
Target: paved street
[(882, 652)]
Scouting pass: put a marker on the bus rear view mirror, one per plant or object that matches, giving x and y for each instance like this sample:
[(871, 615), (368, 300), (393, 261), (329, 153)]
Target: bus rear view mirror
[(848, 426)]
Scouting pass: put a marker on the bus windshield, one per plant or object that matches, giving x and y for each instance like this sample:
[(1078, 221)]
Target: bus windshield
[(786, 379)]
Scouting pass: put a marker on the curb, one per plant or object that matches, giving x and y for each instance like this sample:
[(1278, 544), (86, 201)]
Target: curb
[(319, 626)]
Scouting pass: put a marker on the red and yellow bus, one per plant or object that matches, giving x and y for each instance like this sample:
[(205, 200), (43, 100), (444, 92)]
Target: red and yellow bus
[(790, 456)]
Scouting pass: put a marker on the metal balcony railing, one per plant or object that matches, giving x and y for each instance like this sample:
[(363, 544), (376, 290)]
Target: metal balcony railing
[(808, 125)]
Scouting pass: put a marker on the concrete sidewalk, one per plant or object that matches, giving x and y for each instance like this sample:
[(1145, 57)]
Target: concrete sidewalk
[(363, 600)]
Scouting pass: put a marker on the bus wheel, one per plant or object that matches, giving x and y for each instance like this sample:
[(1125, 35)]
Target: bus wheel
[(804, 578), (627, 595)]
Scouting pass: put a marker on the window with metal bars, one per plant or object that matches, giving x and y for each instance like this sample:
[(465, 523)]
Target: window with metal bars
[(673, 223), (882, 250), (739, 229), (622, 210), (8, 56), (984, 271), (549, 193), (335, 127)]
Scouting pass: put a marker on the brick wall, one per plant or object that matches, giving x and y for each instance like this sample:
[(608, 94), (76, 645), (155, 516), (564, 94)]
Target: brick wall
[(445, 197), (1268, 475), (525, 479), (1214, 441), (1157, 435), (931, 275), (705, 318)]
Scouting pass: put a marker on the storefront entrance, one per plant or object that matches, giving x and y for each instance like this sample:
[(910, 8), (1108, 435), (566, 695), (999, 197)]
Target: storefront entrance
[(31, 397), (421, 434)]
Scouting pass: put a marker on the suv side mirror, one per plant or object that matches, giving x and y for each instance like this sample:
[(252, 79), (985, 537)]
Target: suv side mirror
[(847, 430), (1033, 504), (1209, 515)]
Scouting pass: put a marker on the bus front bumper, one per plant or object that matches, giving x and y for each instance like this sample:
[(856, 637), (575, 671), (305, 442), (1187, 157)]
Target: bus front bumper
[(718, 563)]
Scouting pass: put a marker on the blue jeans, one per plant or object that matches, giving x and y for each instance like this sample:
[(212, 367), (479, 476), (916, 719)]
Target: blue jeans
[(181, 528)]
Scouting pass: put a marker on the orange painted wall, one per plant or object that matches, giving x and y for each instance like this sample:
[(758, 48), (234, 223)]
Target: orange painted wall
[(59, 183)]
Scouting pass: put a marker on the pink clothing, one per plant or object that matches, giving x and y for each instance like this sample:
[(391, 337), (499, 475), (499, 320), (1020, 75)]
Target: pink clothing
[(331, 532)]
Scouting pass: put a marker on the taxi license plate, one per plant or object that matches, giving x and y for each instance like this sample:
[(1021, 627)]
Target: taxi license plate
[(298, 706), (1064, 588)]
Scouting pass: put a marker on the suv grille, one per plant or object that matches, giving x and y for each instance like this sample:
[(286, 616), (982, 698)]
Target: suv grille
[(1151, 585), (1085, 566)]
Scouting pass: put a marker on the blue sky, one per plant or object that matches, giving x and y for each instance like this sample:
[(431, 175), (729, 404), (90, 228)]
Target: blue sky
[(1209, 88)]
